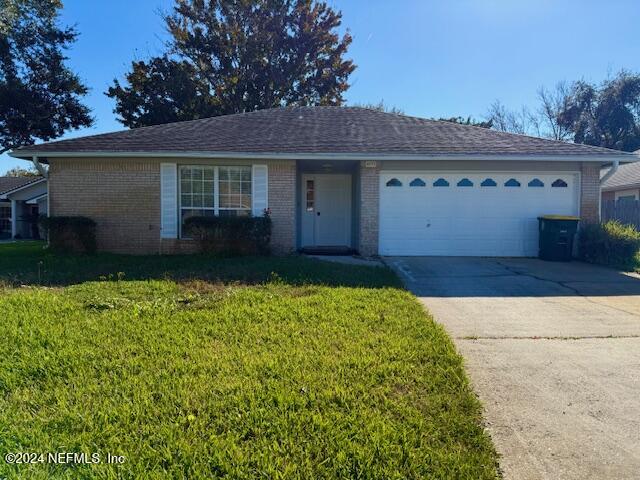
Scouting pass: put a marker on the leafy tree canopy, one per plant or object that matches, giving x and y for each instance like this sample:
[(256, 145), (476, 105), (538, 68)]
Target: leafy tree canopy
[(467, 121), (230, 56), (21, 172), (39, 95), (380, 107), (604, 115)]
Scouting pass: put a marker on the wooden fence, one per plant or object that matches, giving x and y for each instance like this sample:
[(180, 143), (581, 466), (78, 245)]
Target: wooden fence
[(625, 211)]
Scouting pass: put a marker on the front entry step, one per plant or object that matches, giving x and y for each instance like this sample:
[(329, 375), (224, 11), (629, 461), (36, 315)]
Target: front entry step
[(328, 250)]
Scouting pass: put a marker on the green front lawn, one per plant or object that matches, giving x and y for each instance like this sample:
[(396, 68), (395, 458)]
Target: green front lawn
[(196, 367)]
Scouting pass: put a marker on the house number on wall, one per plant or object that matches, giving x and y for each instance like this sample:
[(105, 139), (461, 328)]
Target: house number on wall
[(370, 164)]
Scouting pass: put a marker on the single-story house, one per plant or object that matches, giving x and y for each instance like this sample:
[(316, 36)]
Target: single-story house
[(22, 199), (331, 177), (624, 184)]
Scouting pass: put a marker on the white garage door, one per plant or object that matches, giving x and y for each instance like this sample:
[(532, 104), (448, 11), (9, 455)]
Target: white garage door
[(475, 214)]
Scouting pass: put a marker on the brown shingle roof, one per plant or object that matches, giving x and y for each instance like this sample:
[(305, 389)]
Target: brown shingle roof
[(317, 130), (9, 183)]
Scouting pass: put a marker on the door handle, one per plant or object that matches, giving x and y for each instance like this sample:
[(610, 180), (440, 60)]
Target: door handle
[(318, 213)]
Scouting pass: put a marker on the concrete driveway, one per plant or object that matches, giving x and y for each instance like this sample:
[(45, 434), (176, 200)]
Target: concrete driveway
[(553, 351)]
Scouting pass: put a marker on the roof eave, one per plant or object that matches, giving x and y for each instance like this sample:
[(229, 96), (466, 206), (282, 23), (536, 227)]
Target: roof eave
[(627, 186), (602, 158)]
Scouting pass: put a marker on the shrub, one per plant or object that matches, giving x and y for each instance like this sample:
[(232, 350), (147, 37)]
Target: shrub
[(611, 243), (70, 234), (231, 235)]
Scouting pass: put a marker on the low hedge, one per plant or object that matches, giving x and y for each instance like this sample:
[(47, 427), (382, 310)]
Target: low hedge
[(231, 235), (70, 234), (611, 243)]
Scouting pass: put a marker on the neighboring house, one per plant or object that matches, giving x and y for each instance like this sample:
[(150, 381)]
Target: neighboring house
[(22, 199), (624, 184), (331, 177)]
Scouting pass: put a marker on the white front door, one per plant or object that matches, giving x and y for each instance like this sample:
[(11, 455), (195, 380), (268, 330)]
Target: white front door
[(326, 210), (470, 214)]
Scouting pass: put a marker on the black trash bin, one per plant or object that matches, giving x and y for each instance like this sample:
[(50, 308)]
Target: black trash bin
[(556, 237)]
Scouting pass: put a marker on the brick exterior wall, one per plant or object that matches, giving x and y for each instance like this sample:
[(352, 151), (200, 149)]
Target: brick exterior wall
[(369, 209), (608, 196), (590, 193), (282, 203), (123, 197)]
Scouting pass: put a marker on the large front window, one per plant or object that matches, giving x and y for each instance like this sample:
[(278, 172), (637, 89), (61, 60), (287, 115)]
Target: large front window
[(234, 185), (207, 190)]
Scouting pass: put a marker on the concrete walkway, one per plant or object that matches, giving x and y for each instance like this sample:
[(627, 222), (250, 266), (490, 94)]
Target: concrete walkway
[(553, 351), (348, 260)]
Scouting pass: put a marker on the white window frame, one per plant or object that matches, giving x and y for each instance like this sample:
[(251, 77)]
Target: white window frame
[(216, 192), (626, 193)]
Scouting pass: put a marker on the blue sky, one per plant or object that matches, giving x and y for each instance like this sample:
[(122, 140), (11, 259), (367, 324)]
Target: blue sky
[(430, 58)]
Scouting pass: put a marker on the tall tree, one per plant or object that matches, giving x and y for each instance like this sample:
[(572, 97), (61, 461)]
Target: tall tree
[(514, 121), (21, 172), (40, 98), (380, 107), (467, 121), (606, 115), (552, 102), (230, 56)]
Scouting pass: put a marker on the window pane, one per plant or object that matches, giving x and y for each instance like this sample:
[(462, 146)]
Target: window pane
[(488, 182), (197, 201), (225, 201), (310, 195), (185, 186), (394, 182), (512, 182), (536, 182), (185, 201), (234, 187), (207, 201), (234, 175), (185, 174), (441, 182), (196, 174), (208, 174)]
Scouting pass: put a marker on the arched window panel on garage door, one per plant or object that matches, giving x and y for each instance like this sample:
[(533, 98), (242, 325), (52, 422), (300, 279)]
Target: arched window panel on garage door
[(465, 182), (512, 182), (559, 183), (394, 182), (417, 182), (536, 182), (488, 182), (441, 182)]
